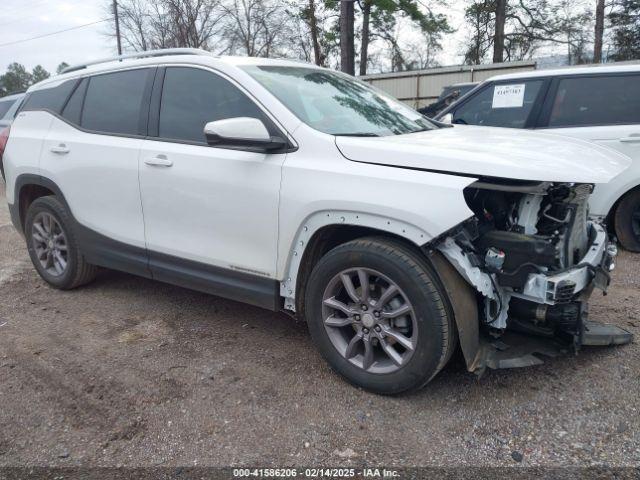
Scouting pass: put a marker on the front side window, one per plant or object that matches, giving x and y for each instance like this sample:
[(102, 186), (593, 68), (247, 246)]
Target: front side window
[(500, 105), (192, 97), (582, 101), (337, 104), (113, 102)]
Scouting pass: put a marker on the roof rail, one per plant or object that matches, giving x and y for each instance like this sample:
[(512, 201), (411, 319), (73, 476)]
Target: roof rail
[(144, 54)]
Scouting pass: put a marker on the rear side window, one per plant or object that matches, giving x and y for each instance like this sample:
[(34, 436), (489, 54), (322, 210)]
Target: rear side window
[(51, 99), (192, 97), (583, 101), (502, 105), (114, 101)]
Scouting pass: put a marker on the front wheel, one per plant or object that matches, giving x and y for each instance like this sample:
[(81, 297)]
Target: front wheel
[(377, 315), (627, 221)]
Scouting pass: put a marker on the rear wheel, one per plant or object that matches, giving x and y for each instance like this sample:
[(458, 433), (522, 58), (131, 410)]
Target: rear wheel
[(627, 221), (53, 247), (377, 316)]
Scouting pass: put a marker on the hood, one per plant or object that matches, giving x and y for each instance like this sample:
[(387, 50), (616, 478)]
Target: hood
[(491, 152)]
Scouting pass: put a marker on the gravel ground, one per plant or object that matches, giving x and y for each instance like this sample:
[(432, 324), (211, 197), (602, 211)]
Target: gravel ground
[(127, 371)]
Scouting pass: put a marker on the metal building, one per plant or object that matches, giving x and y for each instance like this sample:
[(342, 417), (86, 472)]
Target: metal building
[(418, 88)]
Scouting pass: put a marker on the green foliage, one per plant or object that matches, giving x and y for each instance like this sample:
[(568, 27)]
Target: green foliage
[(479, 16), (16, 78), (625, 22), (323, 15), (39, 74), (61, 67), (384, 14), (384, 17), (529, 25)]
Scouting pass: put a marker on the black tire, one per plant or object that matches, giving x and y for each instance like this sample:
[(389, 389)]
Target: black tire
[(411, 272), (627, 221), (78, 271)]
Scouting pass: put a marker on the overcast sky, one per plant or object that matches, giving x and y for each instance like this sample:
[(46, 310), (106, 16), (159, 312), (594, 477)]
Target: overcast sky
[(24, 19)]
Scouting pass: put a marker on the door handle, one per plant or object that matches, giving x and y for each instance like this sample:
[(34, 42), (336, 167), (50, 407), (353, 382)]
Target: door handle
[(630, 139), (61, 149), (158, 161)]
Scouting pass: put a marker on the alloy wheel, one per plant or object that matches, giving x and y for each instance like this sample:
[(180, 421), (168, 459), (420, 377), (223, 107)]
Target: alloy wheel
[(50, 244), (369, 320)]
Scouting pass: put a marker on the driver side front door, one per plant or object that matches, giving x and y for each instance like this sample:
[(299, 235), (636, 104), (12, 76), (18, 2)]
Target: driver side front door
[(210, 214)]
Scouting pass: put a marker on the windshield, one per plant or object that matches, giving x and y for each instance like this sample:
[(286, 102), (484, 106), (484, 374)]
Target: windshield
[(337, 104)]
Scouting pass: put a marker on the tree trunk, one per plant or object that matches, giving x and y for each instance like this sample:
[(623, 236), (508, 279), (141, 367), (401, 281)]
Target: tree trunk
[(599, 32), (364, 47), (347, 49), (498, 38), (313, 25)]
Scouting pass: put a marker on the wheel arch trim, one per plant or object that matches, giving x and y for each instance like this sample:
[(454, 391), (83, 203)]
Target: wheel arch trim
[(325, 218), (22, 181), (631, 188), (608, 205)]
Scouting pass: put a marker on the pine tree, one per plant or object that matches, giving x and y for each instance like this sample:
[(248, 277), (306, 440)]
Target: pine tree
[(15, 79), (38, 74), (625, 23)]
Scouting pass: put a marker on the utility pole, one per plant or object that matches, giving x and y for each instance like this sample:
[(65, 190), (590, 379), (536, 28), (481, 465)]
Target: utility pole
[(115, 15), (347, 48)]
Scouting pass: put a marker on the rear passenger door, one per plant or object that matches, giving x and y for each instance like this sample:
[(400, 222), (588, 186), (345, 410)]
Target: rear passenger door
[(603, 108), (91, 153)]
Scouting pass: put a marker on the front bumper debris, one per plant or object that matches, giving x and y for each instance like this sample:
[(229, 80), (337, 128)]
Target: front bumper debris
[(515, 349), (561, 287)]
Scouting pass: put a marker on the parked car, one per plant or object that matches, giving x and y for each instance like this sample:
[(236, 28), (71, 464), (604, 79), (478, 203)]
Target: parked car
[(449, 95), (600, 104), (297, 188), (9, 105)]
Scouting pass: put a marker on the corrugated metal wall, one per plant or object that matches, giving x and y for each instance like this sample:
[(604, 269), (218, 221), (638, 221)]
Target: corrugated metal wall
[(421, 87)]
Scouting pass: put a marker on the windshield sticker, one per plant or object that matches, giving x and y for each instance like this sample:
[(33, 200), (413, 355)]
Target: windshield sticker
[(508, 96)]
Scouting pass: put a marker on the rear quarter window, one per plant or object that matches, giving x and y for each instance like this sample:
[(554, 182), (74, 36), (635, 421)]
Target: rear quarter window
[(52, 99), (601, 100)]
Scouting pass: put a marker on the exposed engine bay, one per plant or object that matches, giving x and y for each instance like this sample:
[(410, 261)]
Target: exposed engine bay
[(532, 256)]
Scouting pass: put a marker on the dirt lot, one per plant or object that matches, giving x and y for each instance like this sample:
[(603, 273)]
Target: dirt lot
[(128, 371)]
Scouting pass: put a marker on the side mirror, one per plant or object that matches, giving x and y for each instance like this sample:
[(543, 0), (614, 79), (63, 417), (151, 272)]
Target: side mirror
[(242, 133), (448, 119)]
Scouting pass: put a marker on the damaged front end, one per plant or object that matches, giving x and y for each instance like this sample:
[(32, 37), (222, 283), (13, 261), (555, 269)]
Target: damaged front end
[(533, 259)]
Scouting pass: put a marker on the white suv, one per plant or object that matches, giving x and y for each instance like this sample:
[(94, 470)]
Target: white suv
[(297, 188)]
